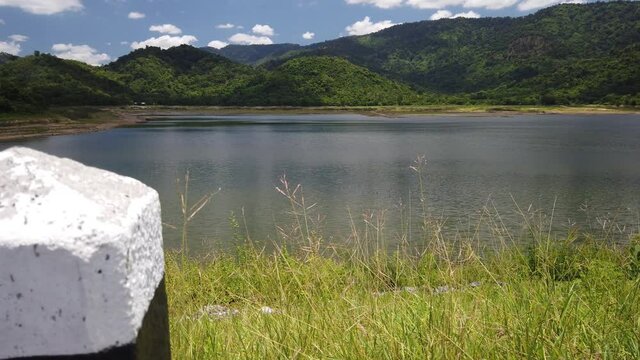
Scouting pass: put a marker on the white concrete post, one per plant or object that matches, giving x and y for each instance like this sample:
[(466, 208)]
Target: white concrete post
[(81, 260)]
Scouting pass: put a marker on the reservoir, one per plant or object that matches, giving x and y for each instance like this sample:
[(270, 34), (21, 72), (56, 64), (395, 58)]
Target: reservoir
[(487, 178)]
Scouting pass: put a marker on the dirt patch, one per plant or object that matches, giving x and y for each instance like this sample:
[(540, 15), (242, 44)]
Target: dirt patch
[(51, 124)]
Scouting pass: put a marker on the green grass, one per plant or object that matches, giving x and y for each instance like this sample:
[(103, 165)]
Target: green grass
[(554, 300), (541, 296)]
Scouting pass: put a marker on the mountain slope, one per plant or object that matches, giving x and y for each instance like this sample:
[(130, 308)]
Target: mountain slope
[(566, 54), (34, 82), (494, 58), (253, 54), (5, 58), (180, 75), (323, 81)]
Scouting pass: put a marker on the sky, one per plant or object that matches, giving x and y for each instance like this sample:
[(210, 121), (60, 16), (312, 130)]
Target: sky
[(99, 31)]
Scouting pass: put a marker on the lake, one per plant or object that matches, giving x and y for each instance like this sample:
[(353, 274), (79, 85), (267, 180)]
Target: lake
[(484, 174)]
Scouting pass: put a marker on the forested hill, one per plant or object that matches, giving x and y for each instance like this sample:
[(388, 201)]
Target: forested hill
[(323, 80), (254, 54), (4, 57), (180, 75), (36, 82), (566, 54), (186, 75)]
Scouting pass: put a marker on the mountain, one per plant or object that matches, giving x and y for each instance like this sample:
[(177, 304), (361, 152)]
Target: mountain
[(35, 82), (186, 75), (563, 54), (180, 75), (254, 54), (566, 54), (325, 81), (4, 57)]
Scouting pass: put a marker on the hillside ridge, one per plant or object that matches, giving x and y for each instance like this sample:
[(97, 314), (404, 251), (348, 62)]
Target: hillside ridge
[(566, 54)]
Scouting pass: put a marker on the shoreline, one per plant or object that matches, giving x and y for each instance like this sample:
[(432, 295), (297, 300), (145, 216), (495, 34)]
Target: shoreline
[(31, 126), (57, 122), (390, 111)]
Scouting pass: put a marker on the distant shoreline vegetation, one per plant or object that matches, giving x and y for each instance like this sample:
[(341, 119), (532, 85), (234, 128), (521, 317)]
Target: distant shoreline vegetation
[(562, 55)]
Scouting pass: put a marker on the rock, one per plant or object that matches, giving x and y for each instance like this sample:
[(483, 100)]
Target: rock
[(410, 289), (268, 310), (216, 312), (475, 284), (80, 256), (442, 289)]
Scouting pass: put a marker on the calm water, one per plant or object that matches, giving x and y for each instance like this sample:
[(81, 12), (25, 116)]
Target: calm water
[(588, 166)]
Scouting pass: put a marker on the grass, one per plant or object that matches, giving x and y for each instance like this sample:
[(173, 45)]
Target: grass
[(555, 301), (575, 297)]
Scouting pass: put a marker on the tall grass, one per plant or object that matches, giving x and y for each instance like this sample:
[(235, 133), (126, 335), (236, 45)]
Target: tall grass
[(574, 297)]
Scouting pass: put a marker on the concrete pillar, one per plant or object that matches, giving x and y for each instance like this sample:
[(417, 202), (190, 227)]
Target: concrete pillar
[(81, 262)]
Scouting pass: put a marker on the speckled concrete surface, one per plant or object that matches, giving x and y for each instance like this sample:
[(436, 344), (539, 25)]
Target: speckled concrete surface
[(80, 255)]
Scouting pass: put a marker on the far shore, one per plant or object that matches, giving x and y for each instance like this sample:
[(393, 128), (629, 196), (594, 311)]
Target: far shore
[(77, 120)]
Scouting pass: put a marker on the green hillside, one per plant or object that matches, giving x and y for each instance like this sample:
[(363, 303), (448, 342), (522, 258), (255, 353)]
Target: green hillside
[(566, 54), (563, 54), (180, 75), (323, 81), (4, 57), (253, 54), (36, 82), (189, 76)]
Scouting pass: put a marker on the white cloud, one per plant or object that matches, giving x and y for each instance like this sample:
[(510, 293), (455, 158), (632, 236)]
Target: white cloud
[(489, 4), (246, 39), (383, 4), (84, 53), (19, 38), (2, 22), (446, 14), (13, 46), (217, 44), (367, 27), (468, 14), (441, 14), (166, 29), (308, 35), (433, 4), (124, 43), (439, 4), (10, 47), (134, 15), (44, 7), (225, 26), (165, 41), (536, 4), (524, 5), (264, 30)]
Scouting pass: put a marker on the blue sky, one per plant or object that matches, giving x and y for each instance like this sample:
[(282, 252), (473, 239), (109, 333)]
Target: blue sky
[(99, 31)]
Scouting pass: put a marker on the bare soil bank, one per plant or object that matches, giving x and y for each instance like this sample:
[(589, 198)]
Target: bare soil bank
[(76, 120), (63, 121)]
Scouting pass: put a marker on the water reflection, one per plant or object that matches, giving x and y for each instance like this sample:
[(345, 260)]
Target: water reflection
[(589, 166)]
